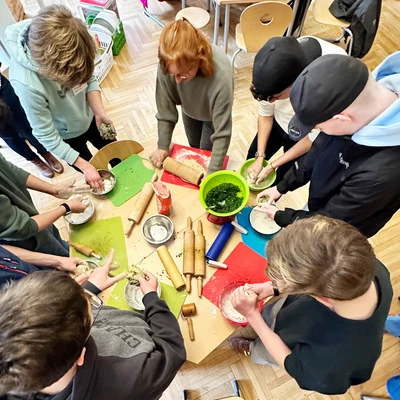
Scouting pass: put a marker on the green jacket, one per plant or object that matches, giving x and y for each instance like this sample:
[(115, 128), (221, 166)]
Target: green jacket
[(17, 228)]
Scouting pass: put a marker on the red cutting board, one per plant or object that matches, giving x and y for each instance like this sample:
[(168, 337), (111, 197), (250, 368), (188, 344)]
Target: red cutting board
[(244, 265), (182, 153)]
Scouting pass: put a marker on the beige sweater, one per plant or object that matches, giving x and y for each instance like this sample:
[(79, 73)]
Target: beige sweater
[(204, 99)]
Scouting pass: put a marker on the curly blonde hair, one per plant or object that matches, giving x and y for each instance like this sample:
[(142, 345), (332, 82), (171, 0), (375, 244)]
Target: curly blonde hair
[(181, 43), (323, 257), (62, 46)]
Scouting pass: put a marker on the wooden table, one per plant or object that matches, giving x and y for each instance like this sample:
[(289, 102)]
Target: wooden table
[(227, 4), (211, 328)]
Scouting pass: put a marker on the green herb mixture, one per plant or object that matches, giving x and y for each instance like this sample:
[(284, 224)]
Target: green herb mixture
[(224, 198)]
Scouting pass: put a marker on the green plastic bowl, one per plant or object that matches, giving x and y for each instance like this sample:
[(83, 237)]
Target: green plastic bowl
[(263, 185), (217, 178)]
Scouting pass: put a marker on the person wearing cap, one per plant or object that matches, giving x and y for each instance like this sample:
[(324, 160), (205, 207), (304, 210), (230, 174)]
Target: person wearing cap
[(276, 66), (353, 166)]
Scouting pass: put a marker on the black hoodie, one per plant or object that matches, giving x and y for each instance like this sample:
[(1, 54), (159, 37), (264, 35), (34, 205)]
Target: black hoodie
[(354, 183)]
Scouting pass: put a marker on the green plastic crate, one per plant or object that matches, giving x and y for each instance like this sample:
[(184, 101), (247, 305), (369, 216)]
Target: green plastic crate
[(119, 39)]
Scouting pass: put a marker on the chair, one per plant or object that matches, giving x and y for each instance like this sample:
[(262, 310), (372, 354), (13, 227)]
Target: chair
[(197, 16), (119, 150), (322, 15), (260, 22)]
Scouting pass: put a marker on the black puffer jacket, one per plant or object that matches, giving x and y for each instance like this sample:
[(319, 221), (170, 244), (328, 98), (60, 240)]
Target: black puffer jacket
[(364, 18)]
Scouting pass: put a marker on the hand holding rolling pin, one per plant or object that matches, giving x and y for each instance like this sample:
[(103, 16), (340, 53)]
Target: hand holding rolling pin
[(158, 157)]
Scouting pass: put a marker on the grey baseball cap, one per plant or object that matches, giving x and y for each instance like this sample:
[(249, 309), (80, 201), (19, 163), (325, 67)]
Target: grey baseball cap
[(323, 89)]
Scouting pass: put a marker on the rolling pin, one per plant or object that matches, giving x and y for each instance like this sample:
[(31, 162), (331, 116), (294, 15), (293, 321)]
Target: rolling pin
[(140, 206), (183, 171), (189, 310), (199, 258), (87, 251), (188, 255), (171, 268)]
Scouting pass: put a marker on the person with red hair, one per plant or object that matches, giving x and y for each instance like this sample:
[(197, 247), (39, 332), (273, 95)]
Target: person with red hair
[(199, 78)]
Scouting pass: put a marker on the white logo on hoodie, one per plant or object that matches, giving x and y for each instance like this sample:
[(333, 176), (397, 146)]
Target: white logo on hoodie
[(345, 163)]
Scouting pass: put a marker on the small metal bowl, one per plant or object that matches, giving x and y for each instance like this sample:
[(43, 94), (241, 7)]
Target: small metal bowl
[(106, 174), (134, 296), (81, 218), (157, 229)]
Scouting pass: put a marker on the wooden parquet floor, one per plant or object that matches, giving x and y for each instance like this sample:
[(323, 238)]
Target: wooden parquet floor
[(129, 99)]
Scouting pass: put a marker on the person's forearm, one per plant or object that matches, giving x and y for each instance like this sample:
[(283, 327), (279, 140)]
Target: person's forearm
[(95, 102), (272, 342), (33, 257), (46, 219), (296, 151), (81, 163), (264, 130), (41, 186)]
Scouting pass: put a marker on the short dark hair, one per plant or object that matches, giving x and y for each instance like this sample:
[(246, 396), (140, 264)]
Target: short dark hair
[(322, 256), (5, 113), (44, 323)]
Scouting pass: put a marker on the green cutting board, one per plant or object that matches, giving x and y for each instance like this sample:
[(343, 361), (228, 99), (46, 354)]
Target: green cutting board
[(169, 294), (102, 236), (131, 176)]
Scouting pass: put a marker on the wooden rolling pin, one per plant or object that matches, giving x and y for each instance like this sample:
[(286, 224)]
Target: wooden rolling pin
[(188, 255), (189, 310), (87, 251), (171, 268), (199, 258), (183, 171), (140, 206)]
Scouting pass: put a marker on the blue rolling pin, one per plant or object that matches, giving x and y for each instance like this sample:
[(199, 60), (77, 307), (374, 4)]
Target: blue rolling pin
[(220, 241)]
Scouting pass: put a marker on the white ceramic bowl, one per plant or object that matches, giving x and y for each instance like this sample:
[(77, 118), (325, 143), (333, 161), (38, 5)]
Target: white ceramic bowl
[(262, 223), (134, 296)]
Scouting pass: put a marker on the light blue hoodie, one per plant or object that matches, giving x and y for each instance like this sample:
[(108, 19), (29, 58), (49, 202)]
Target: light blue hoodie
[(54, 113), (385, 129)]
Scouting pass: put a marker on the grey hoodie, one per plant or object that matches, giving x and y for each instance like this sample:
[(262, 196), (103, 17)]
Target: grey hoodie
[(128, 356)]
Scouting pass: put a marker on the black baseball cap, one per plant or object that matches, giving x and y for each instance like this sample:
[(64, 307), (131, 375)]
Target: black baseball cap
[(324, 89), (280, 61)]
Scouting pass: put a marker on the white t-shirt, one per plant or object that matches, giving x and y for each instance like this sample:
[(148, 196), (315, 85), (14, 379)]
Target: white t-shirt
[(282, 110)]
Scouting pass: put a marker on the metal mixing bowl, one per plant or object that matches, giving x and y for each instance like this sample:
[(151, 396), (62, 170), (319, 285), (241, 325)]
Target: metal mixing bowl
[(81, 218), (106, 174), (157, 229), (134, 296)]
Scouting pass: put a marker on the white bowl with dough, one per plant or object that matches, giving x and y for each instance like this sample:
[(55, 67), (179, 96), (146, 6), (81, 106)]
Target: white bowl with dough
[(134, 295), (262, 223)]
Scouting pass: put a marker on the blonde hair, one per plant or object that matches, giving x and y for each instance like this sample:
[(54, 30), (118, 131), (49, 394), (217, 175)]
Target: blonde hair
[(321, 256), (181, 43), (62, 46)]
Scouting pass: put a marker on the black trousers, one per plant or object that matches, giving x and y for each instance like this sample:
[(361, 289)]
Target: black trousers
[(278, 138), (92, 135), (18, 129)]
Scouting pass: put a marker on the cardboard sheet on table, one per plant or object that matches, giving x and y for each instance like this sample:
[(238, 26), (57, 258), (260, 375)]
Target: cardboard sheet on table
[(183, 153), (256, 241), (131, 176), (244, 265), (169, 294), (102, 236)]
